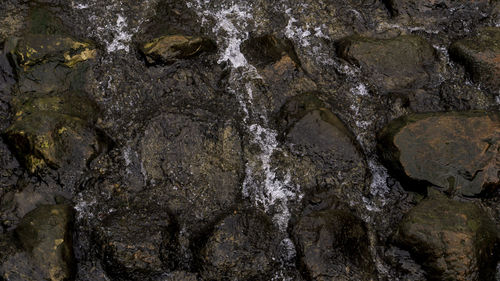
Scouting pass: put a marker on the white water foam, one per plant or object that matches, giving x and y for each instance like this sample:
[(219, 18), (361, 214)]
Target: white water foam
[(108, 21), (262, 185)]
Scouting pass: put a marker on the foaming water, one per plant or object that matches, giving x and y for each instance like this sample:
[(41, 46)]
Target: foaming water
[(262, 185), (109, 22)]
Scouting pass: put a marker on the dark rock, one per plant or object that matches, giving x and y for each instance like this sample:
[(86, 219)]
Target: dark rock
[(49, 63), (267, 49), (326, 153), (45, 235), (195, 165), (136, 242), (452, 16), (34, 49), (179, 276), (452, 240), (55, 131), (241, 247), (334, 245), (481, 56), (403, 62), (167, 49), (455, 151)]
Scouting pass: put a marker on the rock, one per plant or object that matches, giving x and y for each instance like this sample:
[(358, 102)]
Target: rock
[(170, 48), (34, 49), (195, 165), (49, 63), (480, 54), (403, 62), (55, 132), (179, 276), (452, 240), (457, 151), (267, 49), (325, 151), (446, 15), (333, 245), (279, 66), (136, 241), (241, 247), (45, 235)]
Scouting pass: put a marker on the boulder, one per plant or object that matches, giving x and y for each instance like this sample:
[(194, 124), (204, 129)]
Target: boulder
[(55, 131), (456, 151), (323, 151), (480, 54), (241, 247), (195, 166), (451, 240), (34, 49), (136, 241), (403, 62), (49, 63), (333, 245), (170, 48), (45, 236)]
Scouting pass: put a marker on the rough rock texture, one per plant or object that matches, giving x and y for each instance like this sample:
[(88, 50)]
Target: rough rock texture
[(45, 235), (270, 108), (432, 15), (195, 165), (480, 54), (452, 240), (455, 151), (241, 247), (169, 48), (55, 132), (136, 242), (404, 62), (49, 63), (326, 154), (333, 245)]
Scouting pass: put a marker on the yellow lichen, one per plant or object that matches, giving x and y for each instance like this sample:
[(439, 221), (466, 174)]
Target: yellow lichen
[(82, 56), (57, 242), (62, 130)]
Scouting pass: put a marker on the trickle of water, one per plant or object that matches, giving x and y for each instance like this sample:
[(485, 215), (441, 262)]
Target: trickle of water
[(262, 185), (109, 24)]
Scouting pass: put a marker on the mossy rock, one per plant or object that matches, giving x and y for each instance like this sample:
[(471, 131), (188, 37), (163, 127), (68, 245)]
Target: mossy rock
[(452, 240), (456, 151), (480, 54), (55, 132), (34, 49), (170, 48)]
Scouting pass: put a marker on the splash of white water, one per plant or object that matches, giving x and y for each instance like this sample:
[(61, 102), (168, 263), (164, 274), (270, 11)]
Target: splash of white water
[(230, 25)]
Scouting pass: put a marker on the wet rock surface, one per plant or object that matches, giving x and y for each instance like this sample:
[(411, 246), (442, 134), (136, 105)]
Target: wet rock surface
[(481, 56), (457, 152), (45, 239), (196, 166), (406, 62), (241, 247), (169, 48), (453, 240), (245, 140), (333, 245), (137, 242)]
